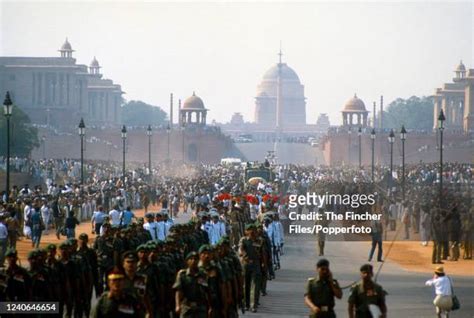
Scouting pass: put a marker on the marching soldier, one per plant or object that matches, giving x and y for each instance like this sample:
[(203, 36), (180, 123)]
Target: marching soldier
[(367, 298), (192, 290), (40, 285), (217, 291), (89, 256), (57, 278), (252, 255), (320, 292), (104, 247), (135, 283), (116, 302), (18, 280), (155, 289)]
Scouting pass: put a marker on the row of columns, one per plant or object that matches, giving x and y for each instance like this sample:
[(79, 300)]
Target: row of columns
[(188, 118), (348, 118), (453, 108), (103, 106), (56, 89)]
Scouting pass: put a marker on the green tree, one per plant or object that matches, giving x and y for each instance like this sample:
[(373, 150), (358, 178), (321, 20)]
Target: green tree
[(23, 136), (138, 113), (414, 112)]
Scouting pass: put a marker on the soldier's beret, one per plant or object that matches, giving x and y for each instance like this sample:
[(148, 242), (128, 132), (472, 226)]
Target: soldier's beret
[(83, 236), (250, 227), (64, 245), (151, 245), (204, 248), (143, 247), (11, 252), (191, 254), (149, 215), (129, 255), (72, 241), (322, 263), (32, 254), (224, 240), (366, 268), (50, 247)]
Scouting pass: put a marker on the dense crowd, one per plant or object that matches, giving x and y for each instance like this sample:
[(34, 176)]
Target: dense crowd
[(220, 261)]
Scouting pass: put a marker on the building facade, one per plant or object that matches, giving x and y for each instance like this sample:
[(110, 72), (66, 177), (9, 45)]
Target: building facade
[(456, 99), (56, 91), (280, 101)]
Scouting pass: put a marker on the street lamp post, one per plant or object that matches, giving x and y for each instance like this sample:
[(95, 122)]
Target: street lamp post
[(359, 134), (441, 119), (183, 128), (43, 141), (391, 140), (349, 131), (168, 132), (403, 137), (149, 133), (82, 133), (372, 137), (124, 138), (7, 111)]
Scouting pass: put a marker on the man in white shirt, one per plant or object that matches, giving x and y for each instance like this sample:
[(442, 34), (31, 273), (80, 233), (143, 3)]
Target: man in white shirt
[(443, 290), (151, 226), (115, 216)]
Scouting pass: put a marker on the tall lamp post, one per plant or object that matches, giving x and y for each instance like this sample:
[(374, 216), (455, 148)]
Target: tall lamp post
[(403, 137), (349, 131), (43, 141), (82, 133), (372, 137), (183, 128), (359, 134), (7, 111), (391, 140), (168, 132), (149, 133), (441, 119), (124, 138)]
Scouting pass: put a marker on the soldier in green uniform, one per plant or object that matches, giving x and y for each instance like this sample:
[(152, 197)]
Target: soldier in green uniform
[(252, 254), (192, 290), (56, 270), (40, 286), (18, 280), (154, 289), (367, 296), (215, 280), (104, 246), (88, 256), (71, 277), (135, 283), (320, 292), (116, 302)]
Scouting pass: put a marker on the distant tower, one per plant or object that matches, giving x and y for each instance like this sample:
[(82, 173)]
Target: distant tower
[(381, 113), (171, 111), (180, 122), (374, 116), (279, 98), (66, 50), (460, 72), (94, 67)]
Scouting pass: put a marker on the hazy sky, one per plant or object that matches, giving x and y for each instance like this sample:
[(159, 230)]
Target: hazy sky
[(222, 49)]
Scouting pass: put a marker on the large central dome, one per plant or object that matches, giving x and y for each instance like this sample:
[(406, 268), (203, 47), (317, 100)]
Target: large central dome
[(287, 73), (292, 103)]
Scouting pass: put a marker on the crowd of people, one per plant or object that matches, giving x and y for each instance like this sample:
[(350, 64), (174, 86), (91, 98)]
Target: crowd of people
[(217, 263)]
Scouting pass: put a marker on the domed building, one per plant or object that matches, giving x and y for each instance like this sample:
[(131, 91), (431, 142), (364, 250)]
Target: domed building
[(193, 111), (354, 109), (280, 92)]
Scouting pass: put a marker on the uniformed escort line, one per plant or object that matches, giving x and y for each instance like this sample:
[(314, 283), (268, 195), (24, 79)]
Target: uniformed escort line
[(330, 230)]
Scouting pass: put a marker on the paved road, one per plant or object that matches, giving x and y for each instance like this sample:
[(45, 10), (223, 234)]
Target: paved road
[(408, 297)]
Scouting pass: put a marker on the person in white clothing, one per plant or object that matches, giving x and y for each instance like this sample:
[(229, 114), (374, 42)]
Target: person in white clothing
[(115, 216), (443, 290), (151, 226), (161, 227)]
